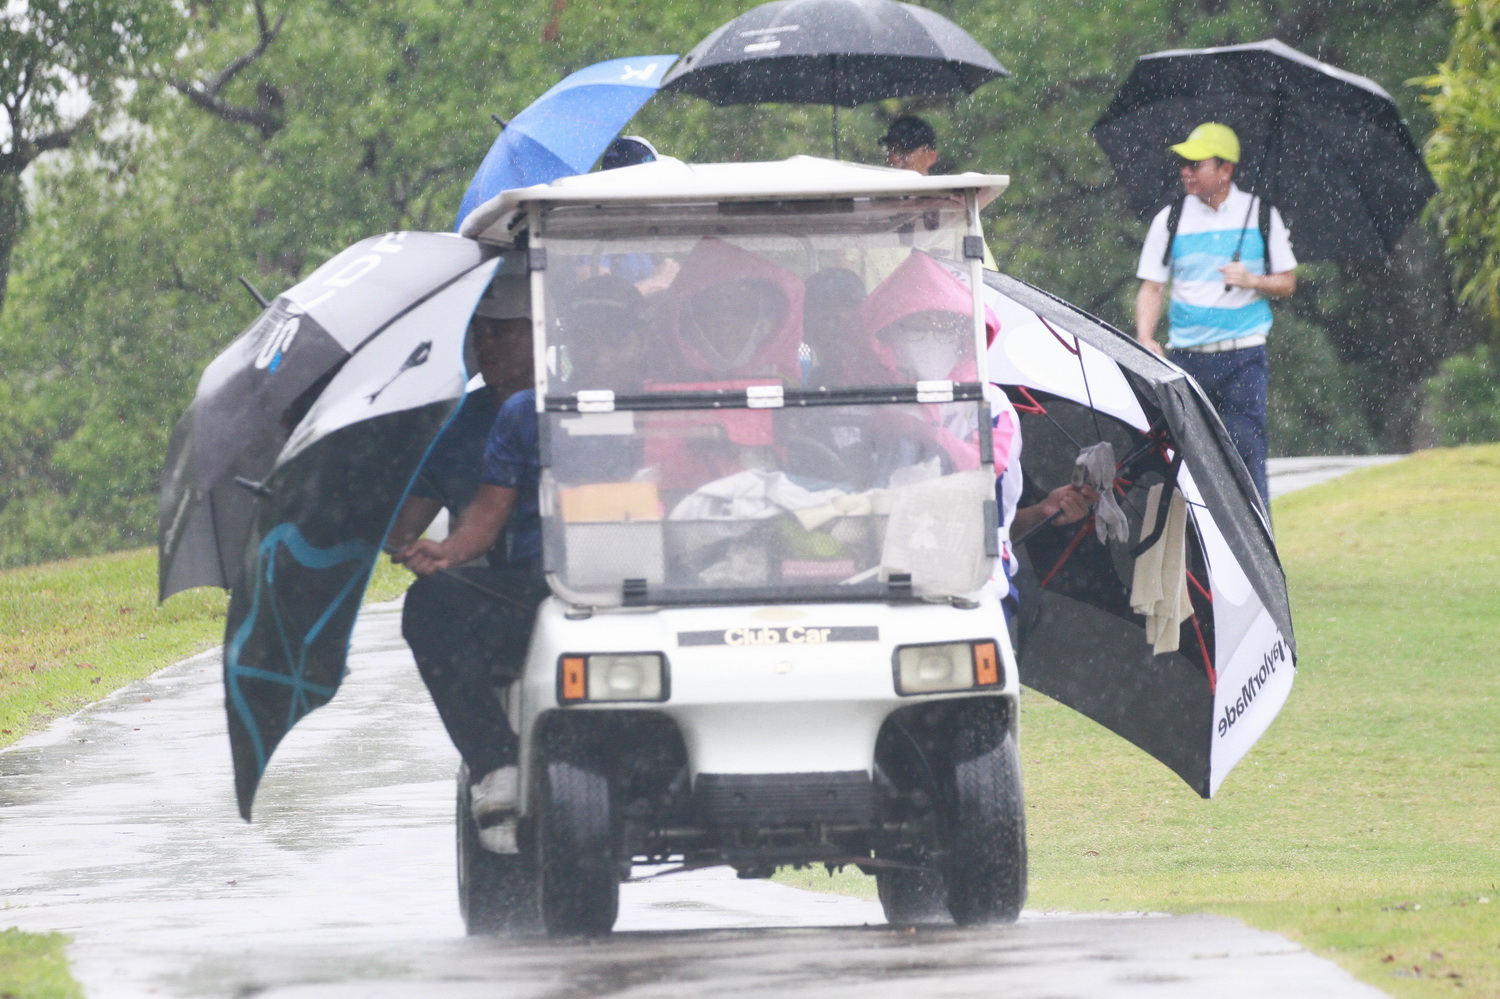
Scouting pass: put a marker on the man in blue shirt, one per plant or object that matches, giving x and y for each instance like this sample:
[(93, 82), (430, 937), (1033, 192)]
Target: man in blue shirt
[(449, 619), (1216, 261), (470, 626)]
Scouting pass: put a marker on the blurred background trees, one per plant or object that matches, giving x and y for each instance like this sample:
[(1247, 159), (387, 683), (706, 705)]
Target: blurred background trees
[(1464, 155), (190, 143)]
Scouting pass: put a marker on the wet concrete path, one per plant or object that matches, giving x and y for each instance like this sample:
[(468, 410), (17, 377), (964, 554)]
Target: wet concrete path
[(118, 827)]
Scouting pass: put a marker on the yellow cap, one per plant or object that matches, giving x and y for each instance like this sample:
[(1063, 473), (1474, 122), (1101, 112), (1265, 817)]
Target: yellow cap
[(1210, 139)]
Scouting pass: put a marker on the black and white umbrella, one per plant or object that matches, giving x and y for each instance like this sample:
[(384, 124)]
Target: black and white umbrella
[(254, 393), (837, 52), (1325, 146), (323, 512), (1199, 707)]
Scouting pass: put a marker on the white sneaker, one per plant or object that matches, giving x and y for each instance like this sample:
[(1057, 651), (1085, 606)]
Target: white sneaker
[(501, 837), (495, 797)]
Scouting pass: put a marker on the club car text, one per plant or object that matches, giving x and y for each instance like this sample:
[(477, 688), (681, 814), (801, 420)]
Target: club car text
[(794, 635)]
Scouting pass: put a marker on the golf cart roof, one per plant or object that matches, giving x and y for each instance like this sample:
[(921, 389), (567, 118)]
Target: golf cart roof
[(666, 179)]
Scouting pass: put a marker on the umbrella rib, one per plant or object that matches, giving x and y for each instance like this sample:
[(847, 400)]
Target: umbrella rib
[(1042, 411), (1208, 664), (416, 303), (1083, 373)]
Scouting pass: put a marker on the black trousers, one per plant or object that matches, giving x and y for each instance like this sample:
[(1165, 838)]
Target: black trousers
[(469, 644)]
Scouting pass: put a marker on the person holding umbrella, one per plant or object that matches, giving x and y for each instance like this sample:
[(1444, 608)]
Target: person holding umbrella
[(1223, 254), (469, 626)]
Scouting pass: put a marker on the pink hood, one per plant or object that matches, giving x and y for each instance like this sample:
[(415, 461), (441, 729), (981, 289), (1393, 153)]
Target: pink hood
[(714, 262), (919, 284)]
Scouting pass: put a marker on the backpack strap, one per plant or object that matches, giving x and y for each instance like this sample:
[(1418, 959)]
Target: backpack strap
[(1174, 217), (1265, 232)]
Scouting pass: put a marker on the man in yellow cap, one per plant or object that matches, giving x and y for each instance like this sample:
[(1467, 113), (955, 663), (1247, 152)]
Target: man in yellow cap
[(1223, 252)]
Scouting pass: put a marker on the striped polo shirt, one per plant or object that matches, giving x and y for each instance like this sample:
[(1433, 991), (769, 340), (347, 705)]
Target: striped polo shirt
[(1201, 311)]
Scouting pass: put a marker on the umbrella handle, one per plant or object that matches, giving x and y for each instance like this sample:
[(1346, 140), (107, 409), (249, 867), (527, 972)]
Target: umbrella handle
[(1234, 260), (1016, 541)]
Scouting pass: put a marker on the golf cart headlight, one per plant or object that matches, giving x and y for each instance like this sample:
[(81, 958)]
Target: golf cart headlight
[(930, 669), (633, 676)]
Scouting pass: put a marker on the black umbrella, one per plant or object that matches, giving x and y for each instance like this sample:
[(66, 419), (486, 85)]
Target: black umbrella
[(1199, 708), (838, 52), (1326, 147), (321, 517), (256, 391)]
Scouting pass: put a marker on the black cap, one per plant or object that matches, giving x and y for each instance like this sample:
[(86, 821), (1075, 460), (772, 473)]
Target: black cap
[(627, 150), (909, 132)]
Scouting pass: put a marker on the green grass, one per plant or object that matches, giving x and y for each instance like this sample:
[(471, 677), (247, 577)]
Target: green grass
[(33, 966), (71, 632), (1365, 823)]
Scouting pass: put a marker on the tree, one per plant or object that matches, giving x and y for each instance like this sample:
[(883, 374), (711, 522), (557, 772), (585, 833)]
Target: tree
[(272, 134), (62, 67), (1464, 151), (271, 139)]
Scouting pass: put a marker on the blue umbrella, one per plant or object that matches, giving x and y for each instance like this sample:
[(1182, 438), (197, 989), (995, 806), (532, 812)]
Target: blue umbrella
[(564, 131)]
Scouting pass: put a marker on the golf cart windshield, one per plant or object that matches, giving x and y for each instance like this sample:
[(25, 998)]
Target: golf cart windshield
[(750, 401)]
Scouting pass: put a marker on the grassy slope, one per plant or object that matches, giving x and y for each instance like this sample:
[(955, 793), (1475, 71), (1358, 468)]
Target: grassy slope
[(1364, 823), (71, 632)]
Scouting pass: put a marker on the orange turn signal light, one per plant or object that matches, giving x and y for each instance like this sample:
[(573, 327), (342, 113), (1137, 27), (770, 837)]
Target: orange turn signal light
[(986, 664), (575, 685)]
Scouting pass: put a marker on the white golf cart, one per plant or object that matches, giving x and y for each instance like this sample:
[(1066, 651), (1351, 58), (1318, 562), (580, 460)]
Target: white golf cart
[(769, 521)]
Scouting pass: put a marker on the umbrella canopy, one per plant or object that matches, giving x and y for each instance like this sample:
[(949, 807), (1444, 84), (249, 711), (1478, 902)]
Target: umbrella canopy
[(1326, 147), (839, 52), (322, 516), (1198, 709), (254, 393), (257, 390), (565, 130)]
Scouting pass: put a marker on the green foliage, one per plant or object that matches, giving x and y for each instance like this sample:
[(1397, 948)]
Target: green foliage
[(348, 120), (57, 57), (125, 285), (74, 631), (1312, 409), (1464, 151), (33, 966), (1464, 398)]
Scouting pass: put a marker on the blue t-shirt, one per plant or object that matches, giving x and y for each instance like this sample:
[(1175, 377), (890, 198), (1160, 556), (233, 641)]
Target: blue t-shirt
[(511, 460), (451, 473)]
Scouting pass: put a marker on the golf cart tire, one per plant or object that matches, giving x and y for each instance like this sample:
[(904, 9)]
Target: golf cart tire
[(986, 849), (579, 870), (496, 891), (912, 898)]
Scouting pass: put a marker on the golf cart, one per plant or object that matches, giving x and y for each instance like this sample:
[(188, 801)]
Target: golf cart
[(769, 522)]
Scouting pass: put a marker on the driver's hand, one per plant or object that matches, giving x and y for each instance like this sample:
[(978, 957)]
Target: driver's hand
[(423, 557), (1071, 503)]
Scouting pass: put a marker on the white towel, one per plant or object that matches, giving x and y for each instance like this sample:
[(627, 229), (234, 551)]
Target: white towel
[(1159, 589), (1095, 467)]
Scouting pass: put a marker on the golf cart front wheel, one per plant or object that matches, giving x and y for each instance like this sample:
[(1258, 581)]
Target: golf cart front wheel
[(577, 851), (986, 848)]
